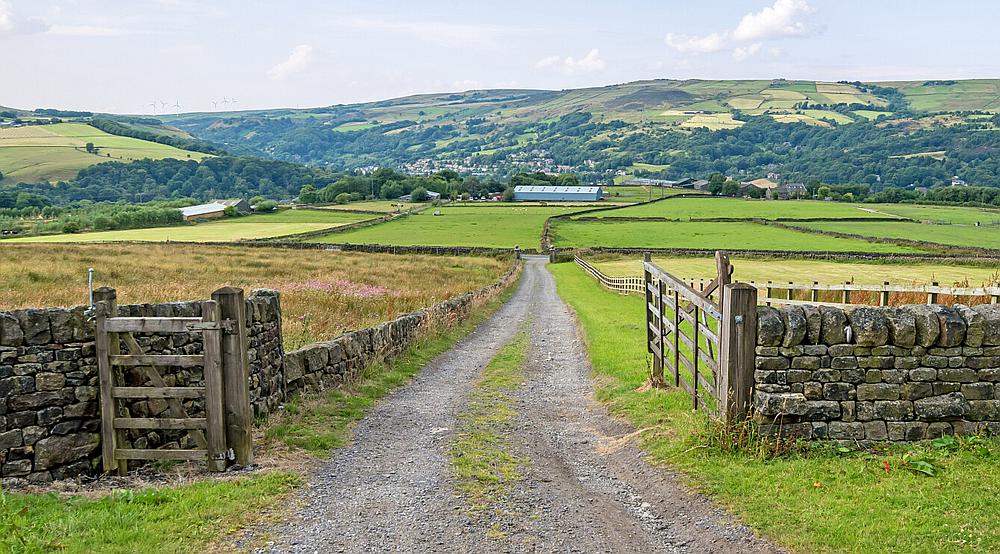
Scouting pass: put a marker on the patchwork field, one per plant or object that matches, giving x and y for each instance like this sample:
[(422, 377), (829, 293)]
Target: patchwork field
[(495, 227), (698, 208), (285, 222), (57, 152), (958, 235), (672, 234), (385, 206), (323, 293), (807, 271)]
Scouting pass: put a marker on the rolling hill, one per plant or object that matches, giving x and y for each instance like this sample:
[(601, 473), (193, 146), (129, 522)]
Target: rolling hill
[(835, 132), (58, 151)]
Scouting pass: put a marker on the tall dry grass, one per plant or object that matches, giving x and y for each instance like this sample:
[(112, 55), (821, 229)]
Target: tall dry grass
[(323, 293)]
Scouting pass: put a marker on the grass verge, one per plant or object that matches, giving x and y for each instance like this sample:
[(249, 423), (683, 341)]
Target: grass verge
[(318, 423), (935, 496), (481, 456), (170, 519)]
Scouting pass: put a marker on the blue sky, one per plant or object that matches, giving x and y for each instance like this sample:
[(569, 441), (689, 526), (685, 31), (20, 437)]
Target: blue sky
[(119, 56)]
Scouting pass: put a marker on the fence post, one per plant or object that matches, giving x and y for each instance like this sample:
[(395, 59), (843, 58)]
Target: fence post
[(846, 296), (236, 374), (214, 411), (111, 347), (737, 350), (884, 295), (932, 297)]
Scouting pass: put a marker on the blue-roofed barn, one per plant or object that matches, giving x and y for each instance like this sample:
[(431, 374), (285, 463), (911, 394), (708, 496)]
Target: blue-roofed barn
[(557, 194)]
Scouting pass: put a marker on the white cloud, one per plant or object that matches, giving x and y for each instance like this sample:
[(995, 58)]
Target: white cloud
[(5, 22), (298, 60), (784, 18), (86, 31), (569, 65), (741, 53), (714, 42)]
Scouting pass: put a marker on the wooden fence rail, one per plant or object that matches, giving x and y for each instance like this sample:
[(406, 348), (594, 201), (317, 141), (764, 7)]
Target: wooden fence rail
[(827, 294)]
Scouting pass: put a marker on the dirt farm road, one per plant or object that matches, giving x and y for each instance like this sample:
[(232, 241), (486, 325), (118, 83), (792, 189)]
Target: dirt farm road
[(392, 489)]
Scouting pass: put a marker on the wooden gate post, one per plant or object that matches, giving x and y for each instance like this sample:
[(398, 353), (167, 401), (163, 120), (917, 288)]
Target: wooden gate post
[(236, 374), (738, 342), (108, 344), (214, 412)]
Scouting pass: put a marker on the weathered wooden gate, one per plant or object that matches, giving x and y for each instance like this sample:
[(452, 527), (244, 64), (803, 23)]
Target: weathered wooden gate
[(224, 431), (706, 344)]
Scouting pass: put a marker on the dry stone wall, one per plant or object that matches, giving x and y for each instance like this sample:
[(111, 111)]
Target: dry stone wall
[(332, 363), (49, 413), (878, 373)]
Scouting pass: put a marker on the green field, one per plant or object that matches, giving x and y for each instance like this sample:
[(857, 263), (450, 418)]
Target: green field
[(944, 214), (973, 94), (57, 152), (698, 208), (958, 235), (496, 227), (628, 193), (671, 234), (278, 224), (385, 206), (808, 271), (818, 499)]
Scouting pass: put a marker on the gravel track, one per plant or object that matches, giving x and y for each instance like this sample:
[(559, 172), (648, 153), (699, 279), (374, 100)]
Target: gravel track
[(583, 491)]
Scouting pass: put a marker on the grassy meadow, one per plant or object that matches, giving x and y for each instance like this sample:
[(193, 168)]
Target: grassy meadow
[(323, 293), (957, 235), (808, 271), (57, 152), (716, 207), (383, 206), (813, 499), (723, 236), (258, 226), (489, 226)]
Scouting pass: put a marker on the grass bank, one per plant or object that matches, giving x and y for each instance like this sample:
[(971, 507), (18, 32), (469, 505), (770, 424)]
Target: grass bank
[(929, 497), (169, 519)]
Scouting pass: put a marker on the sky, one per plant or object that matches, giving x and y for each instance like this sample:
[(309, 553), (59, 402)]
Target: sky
[(191, 55)]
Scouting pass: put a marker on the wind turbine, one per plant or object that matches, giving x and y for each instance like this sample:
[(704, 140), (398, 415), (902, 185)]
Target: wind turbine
[(152, 105), (224, 101), (177, 104), (215, 104), (163, 104)]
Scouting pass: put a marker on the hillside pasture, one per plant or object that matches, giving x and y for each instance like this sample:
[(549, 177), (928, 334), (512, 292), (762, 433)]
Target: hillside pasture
[(722, 236), (486, 226), (285, 222), (384, 206), (716, 207), (323, 294), (712, 121), (945, 214), (808, 271), (57, 152), (956, 235)]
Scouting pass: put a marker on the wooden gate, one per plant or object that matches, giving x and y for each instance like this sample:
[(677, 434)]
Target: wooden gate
[(224, 430), (705, 339)]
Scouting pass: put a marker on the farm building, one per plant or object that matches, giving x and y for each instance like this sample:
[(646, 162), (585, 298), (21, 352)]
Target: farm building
[(557, 194), (789, 190), (214, 209), (431, 195)]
